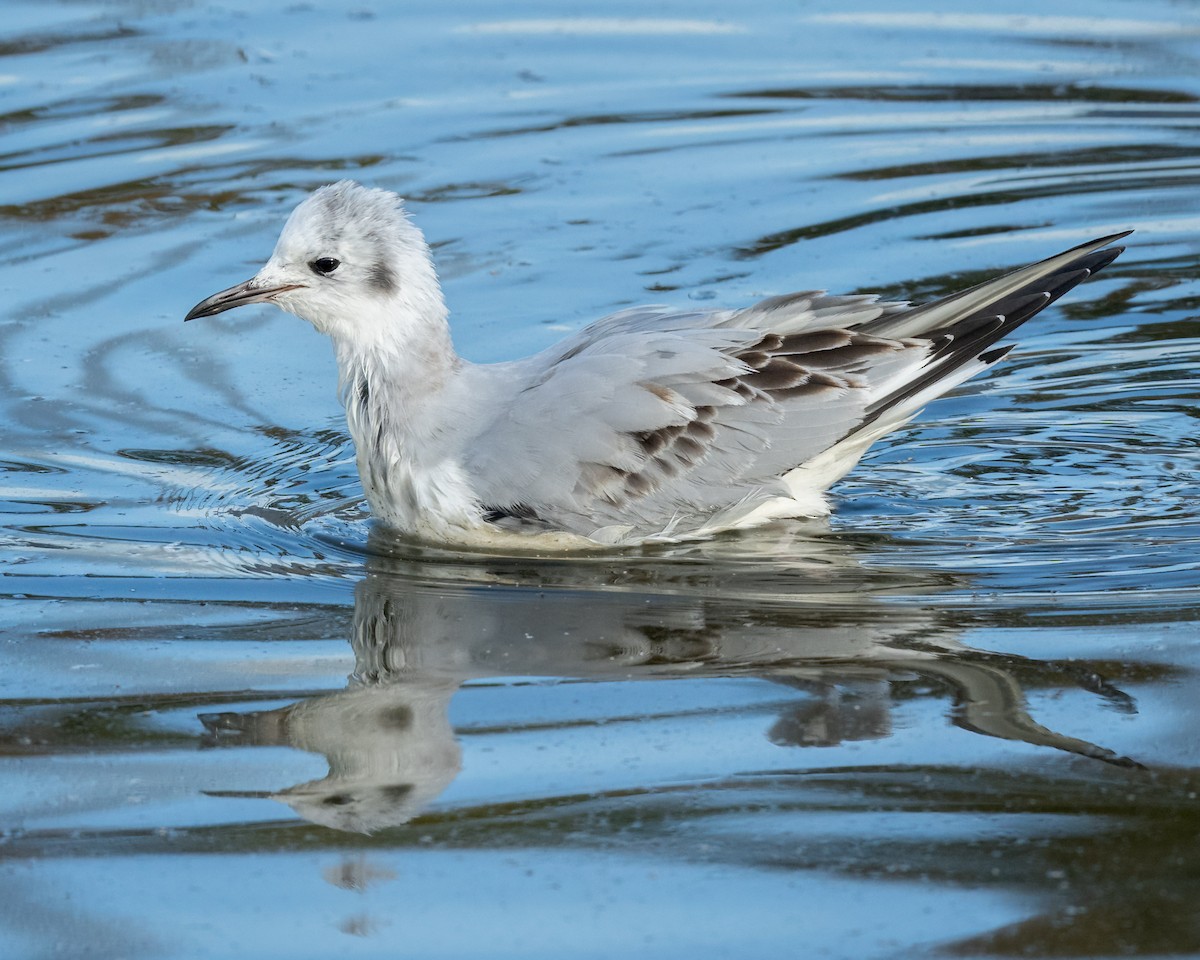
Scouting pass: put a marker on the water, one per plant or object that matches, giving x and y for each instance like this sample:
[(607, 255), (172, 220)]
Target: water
[(958, 719)]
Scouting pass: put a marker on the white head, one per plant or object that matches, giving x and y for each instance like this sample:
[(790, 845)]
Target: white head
[(351, 263)]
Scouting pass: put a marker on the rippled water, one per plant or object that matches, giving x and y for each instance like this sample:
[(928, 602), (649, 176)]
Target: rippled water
[(956, 719)]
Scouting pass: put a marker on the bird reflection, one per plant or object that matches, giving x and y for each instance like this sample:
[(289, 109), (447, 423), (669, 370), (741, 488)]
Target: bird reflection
[(826, 628)]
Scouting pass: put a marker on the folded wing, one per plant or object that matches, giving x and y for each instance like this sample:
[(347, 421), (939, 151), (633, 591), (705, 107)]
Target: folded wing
[(651, 415)]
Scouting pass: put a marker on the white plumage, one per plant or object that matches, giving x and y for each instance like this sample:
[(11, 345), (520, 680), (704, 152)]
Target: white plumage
[(651, 424)]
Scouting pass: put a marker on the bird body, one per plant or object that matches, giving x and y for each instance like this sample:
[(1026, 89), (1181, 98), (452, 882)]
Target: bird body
[(652, 424)]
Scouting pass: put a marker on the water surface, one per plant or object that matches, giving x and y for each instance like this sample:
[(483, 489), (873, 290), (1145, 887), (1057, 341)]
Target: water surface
[(957, 719)]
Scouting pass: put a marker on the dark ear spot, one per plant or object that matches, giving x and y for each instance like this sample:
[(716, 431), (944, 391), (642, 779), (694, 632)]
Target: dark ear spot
[(396, 792), (382, 278), (397, 718)]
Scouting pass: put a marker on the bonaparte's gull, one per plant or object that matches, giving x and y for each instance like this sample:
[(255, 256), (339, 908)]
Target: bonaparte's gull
[(651, 424)]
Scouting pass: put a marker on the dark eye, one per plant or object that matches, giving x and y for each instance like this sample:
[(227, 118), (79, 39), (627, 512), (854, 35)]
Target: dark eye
[(325, 265)]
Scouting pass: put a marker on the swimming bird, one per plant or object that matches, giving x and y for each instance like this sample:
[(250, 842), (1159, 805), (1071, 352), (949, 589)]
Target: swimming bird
[(653, 424)]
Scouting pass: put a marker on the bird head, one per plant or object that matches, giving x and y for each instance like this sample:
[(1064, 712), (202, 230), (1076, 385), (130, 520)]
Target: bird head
[(349, 261)]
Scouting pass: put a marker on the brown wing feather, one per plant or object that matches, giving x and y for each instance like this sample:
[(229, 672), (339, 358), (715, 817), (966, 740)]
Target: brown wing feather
[(776, 371), (782, 371)]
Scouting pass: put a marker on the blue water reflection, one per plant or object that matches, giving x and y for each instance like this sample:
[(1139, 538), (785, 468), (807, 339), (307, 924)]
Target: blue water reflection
[(957, 718)]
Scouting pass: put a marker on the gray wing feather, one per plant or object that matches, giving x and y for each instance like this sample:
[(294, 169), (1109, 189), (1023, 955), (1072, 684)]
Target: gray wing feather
[(652, 414), (637, 427)]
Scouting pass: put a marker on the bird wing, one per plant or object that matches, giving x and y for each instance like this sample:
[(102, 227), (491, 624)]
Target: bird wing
[(650, 415)]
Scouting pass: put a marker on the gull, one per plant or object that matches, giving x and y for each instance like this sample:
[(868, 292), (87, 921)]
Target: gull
[(653, 424)]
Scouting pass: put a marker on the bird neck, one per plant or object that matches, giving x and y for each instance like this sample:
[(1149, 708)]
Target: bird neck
[(398, 352), (395, 389)]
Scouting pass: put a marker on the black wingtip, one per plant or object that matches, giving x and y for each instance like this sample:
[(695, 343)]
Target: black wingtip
[(1102, 241), (995, 356), (1102, 258)]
